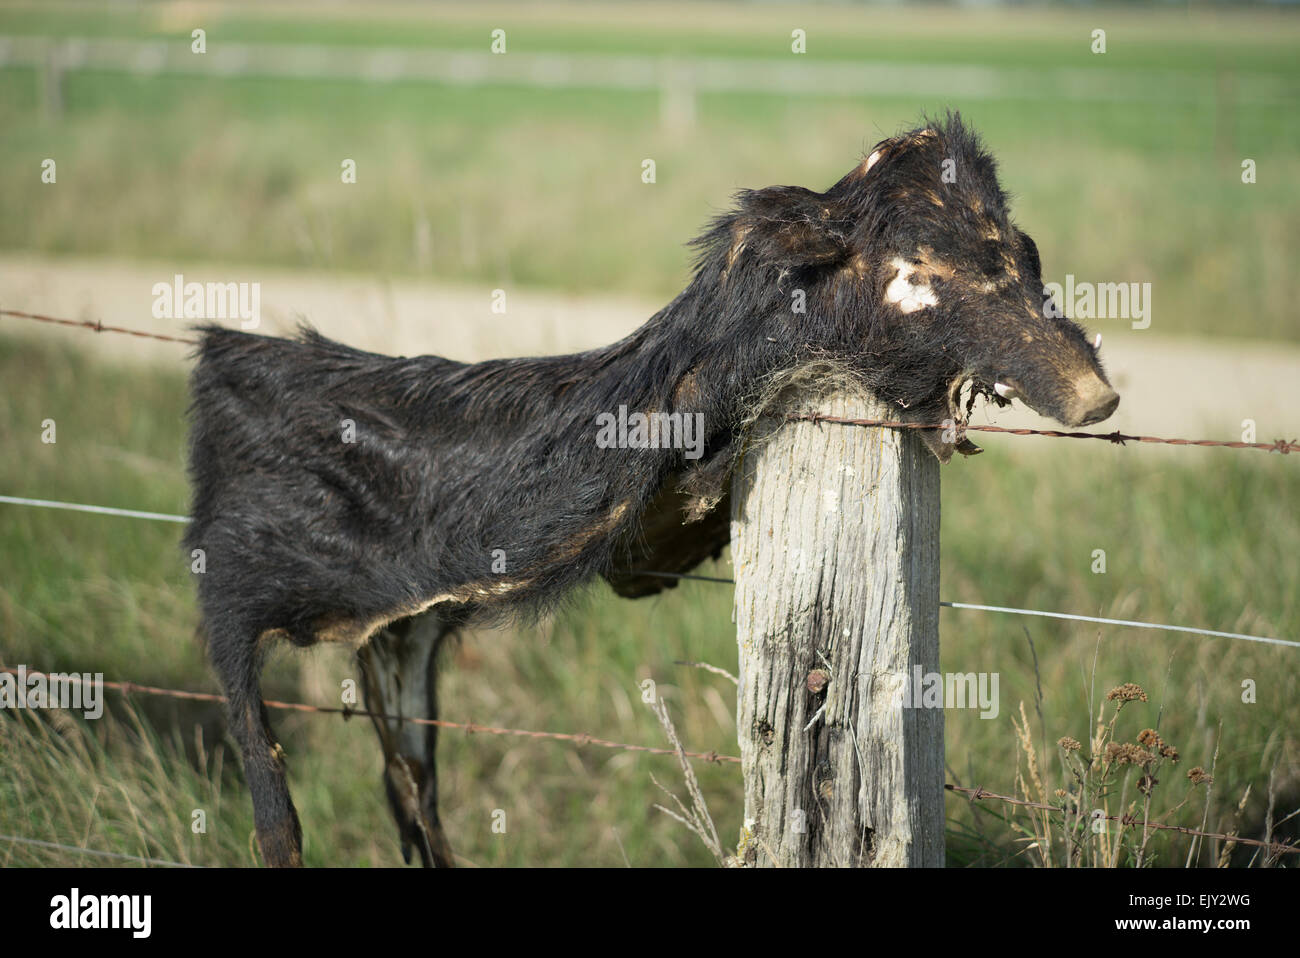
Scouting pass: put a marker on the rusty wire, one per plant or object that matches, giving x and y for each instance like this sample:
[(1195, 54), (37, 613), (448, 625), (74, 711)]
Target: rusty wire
[(976, 794), (97, 326), (579, 738), (1129, 821), (1283, 446)]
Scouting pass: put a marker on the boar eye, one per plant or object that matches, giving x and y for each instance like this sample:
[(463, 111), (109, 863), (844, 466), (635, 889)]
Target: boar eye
[(1031, 251)]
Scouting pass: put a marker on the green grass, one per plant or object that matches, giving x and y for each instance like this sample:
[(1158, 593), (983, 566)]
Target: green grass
[(534, 187), (1201, 538)]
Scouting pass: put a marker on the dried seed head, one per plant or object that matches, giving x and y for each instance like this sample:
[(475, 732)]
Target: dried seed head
[(1128, 692), (1198, 776), (1069, 744), (1169, 752), (1149, 738), (1128, 754)]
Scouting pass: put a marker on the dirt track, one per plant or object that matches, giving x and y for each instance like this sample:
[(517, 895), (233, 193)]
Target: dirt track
[(1171, 386)]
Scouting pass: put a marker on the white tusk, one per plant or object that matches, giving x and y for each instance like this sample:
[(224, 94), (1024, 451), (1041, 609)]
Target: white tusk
[(1005, 391), (1097, 343)]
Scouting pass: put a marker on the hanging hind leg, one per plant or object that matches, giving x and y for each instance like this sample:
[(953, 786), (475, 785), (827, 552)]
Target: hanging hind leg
[(399, 673), (238, 665)]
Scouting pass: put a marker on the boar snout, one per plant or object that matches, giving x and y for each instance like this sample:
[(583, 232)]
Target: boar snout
[(1094, 400), (1056, 372), (1087, 400)]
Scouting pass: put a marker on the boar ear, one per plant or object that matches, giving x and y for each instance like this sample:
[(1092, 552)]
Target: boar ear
[(792, 226), (879, 152)]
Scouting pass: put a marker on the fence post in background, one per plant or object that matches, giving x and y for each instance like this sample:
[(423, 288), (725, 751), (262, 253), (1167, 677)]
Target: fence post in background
[(835, 542), (51, 82), (676, 98)]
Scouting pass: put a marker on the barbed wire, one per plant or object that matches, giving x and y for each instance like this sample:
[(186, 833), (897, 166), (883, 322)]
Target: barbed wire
[(1283, 446), (979, 794), (97, 326), (578, 738)]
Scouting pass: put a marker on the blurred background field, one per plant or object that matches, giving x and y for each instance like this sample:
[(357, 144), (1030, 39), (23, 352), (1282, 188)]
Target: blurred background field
[(1131, 175)]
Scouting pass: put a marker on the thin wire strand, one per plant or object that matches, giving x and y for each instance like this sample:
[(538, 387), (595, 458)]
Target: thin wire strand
[(977, 794), (681, 575), (1050, 615), (1283, 446), (1128, 622), (167, 517), (97, 326), (580, 738), (103, 510), (120, 856)]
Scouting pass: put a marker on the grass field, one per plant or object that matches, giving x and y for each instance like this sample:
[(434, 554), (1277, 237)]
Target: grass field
[(507, 185)]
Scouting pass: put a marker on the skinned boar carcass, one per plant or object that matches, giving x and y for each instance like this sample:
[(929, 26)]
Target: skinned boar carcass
[(345, 496)]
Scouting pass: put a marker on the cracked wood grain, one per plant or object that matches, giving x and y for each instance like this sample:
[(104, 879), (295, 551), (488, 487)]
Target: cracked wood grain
[(835, 541)]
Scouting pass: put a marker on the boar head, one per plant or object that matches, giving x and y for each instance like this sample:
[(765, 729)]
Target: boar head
[(917, 279)]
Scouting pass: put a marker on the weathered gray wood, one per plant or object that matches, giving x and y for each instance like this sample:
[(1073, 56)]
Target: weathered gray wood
[(835, 541)]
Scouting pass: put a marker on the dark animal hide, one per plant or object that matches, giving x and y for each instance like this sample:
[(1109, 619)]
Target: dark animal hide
[(338, 491)]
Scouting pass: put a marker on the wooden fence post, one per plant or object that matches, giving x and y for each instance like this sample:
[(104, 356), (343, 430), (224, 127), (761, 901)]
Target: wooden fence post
[(51, 82), (835, 542)]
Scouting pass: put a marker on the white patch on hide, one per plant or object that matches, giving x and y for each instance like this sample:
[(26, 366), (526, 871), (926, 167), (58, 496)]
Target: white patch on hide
[(901, 293)]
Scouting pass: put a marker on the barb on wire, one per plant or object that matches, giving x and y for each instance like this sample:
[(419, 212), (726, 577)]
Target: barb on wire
[(979, 794), (580, 738), (1283, 446)]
